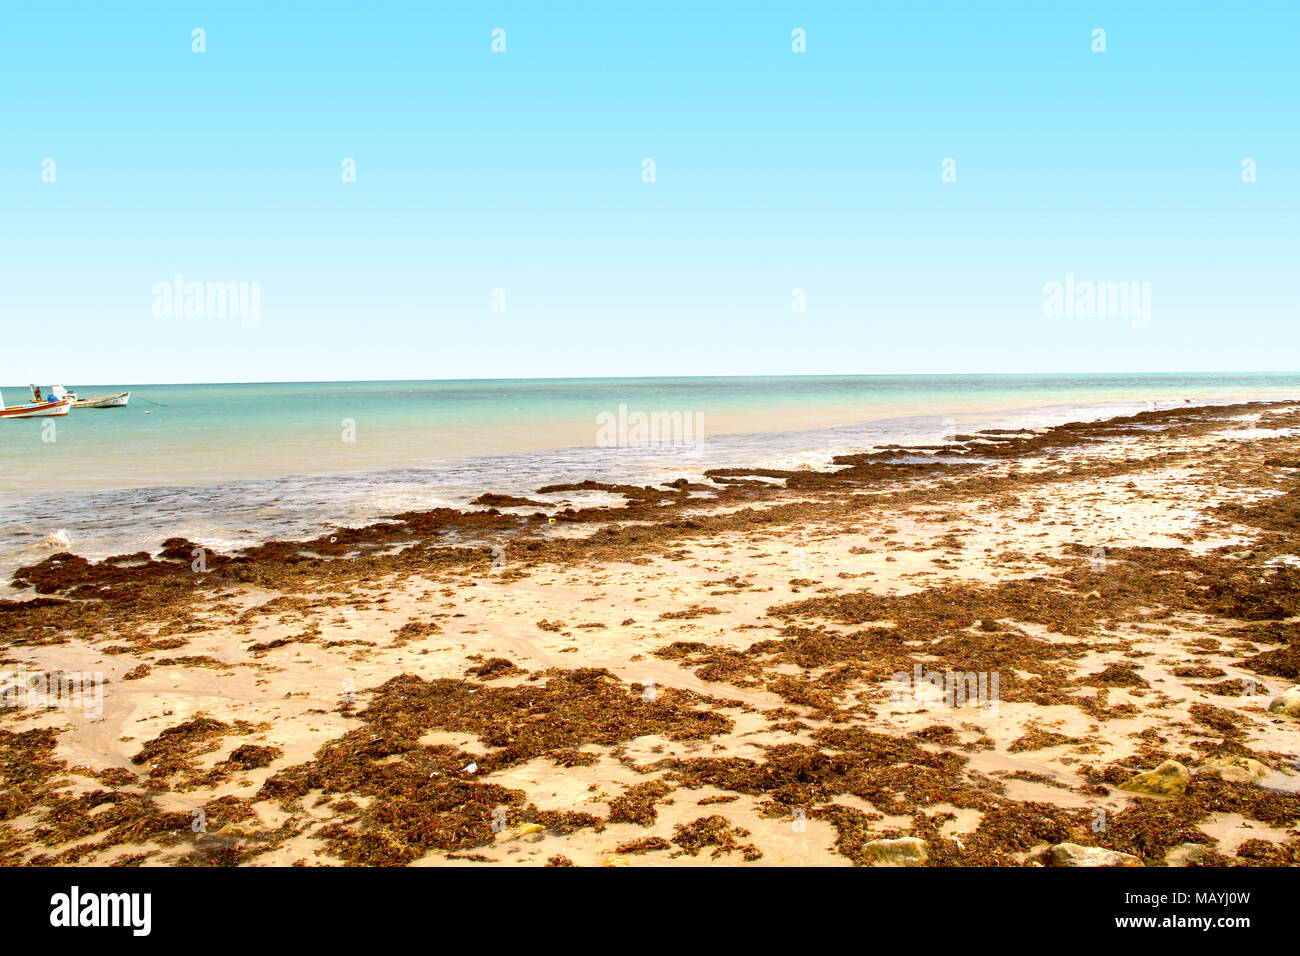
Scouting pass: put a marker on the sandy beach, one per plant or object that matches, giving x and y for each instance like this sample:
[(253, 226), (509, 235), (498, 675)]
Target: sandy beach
[(945, 656)]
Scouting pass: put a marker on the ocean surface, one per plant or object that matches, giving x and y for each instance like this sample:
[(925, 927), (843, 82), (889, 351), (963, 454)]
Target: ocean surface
[(233, 465)]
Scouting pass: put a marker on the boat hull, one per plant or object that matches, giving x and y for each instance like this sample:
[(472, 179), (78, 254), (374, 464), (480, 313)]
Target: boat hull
[(108, 401), (37, 410)]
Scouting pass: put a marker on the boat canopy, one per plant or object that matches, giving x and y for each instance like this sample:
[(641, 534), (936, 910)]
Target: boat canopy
[(48, 393)]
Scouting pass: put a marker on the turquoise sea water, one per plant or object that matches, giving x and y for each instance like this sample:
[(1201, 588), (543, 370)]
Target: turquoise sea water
[(233, 464)]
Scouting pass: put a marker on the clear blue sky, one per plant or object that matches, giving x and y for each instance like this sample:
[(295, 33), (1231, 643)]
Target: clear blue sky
[(523, 171)]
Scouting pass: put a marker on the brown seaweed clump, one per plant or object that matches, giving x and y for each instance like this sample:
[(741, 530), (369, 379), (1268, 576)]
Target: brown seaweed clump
[(891, 773), (716, 832), (425, 798)]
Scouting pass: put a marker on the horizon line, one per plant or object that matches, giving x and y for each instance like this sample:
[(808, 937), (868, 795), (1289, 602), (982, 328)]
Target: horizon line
[(614, 378)]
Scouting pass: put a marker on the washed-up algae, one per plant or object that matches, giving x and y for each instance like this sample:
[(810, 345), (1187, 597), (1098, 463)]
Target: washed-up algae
[(426, 798), (889, 772), (716, 833)]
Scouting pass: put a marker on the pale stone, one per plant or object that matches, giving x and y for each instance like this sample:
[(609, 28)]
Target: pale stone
[(1072, 854), (1170, 779), (1186, 854), (1236, 769), (1287, 703), (531, 832), (905, 851), (235, 829)]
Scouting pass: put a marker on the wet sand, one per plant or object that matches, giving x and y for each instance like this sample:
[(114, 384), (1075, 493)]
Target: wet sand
[(703, 673)]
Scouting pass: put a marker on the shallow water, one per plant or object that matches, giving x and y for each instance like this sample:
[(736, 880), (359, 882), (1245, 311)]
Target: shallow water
[(233, 465)]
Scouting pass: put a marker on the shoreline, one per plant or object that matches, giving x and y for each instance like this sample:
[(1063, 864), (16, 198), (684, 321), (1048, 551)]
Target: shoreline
[(706, 671), (456, 483), (307, 426)]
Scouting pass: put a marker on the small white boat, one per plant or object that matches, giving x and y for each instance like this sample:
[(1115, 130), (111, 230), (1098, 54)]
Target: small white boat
[(108, 401), (58, 392), (34, 409)]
